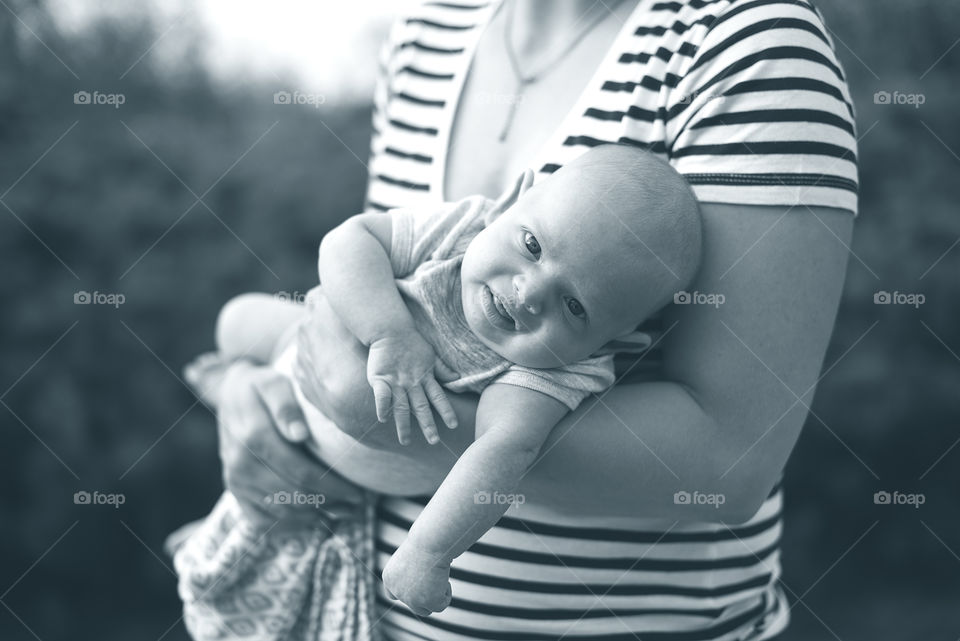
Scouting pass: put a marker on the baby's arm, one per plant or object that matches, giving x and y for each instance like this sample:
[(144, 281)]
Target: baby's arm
[(357, 277), (512, 425)]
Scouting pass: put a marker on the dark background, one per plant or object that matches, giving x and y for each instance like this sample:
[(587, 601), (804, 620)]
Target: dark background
[(91, 396)]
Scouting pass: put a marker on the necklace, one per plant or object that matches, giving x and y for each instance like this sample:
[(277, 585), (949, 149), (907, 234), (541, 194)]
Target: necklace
[(524, 80)]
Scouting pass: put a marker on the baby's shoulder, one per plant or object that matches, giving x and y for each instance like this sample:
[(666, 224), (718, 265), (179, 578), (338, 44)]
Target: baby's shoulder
[(458, 224)]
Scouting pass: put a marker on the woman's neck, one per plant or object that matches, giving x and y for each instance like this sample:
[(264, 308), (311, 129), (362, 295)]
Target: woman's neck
[(541, 27)]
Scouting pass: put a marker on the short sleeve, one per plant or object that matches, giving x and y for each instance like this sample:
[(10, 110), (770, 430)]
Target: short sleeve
[(569, 384), (763, 115), (434, 231)]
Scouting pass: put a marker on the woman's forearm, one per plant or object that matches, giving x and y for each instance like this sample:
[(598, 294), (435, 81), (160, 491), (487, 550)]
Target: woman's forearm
[(626, 455), (629, 452)]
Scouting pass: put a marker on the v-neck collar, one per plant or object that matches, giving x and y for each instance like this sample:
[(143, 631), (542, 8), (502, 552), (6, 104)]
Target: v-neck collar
[(626, 31)]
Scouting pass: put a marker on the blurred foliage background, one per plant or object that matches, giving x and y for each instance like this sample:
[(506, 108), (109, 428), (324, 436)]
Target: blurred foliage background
[(102, 199)]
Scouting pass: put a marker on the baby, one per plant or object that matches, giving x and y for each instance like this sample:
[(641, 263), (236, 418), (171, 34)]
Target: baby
[(522, 300)]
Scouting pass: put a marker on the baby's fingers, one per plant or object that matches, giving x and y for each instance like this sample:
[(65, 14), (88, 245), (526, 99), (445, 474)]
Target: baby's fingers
[(401, 416), (382, 397), (421, 409), (438, 398)]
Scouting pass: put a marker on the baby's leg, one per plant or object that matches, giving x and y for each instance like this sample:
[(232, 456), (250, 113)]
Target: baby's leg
[(251, 325)]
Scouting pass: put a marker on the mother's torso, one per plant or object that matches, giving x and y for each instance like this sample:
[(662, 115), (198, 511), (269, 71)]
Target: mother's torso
[(444, 93)]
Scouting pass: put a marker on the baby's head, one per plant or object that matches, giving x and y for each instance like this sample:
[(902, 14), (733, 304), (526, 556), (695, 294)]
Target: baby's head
[(581, 258)]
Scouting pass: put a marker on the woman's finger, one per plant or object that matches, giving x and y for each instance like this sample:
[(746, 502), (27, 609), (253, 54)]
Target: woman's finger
[(382, 397), (258, 461), (438, 398), (421, 409), (401, 416), (276, 392)]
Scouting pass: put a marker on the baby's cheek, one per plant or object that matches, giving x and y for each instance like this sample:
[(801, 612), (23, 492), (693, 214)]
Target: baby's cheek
[(545, 350), (567, 348)]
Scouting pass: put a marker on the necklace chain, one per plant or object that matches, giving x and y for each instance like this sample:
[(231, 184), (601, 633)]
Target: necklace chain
[(522, 80)]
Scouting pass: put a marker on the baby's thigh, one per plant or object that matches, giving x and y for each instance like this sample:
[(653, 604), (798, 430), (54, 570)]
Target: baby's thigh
[(250, 325)]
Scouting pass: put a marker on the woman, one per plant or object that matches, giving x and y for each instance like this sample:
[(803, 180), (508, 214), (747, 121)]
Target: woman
[(624, 530)]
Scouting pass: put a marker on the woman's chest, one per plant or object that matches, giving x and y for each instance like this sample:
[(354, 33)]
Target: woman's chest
[(501, 127)]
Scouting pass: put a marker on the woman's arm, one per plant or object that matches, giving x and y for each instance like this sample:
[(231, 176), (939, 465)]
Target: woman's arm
[(740, 379), (743, 375)]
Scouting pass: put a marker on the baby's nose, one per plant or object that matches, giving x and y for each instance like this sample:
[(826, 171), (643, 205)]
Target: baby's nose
[(528, 296)]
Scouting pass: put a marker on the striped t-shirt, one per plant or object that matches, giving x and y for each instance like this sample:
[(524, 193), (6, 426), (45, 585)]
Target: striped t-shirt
[(746, 99)]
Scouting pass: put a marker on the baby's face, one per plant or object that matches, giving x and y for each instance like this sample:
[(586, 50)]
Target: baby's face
[(546, 284)]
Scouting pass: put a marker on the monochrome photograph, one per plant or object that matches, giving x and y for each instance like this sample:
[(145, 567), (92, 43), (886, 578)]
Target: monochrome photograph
[(480, 320)]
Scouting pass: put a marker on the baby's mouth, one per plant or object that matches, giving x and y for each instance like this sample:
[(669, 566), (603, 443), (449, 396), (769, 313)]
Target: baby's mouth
[(496, 312), (502, 309)]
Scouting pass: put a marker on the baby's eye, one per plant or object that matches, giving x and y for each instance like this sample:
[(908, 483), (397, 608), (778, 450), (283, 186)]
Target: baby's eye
[(575, 307), (532, 245)]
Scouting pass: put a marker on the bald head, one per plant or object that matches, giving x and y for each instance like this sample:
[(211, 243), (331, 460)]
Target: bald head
[(646, 201)]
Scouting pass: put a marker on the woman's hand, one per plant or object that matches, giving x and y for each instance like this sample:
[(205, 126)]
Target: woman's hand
[(261, 428)]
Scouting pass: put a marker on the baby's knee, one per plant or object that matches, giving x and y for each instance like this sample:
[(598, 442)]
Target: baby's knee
[(235, 331)]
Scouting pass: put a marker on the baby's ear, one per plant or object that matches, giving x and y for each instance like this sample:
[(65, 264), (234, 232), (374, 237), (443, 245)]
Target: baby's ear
[(511, 195), (634, 342)]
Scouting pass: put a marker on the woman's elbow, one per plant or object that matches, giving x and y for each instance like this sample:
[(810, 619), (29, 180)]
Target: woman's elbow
[(732, 488), (743, 490), (743, 505), (725, 504)]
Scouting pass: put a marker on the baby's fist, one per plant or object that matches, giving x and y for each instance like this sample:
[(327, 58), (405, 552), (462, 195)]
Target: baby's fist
[(418, 579)]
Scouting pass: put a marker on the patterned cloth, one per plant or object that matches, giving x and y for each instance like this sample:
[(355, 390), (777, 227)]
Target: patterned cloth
[(241, 580)]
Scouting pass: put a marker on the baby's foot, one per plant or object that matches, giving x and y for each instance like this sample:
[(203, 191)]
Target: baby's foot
[(205, 374)]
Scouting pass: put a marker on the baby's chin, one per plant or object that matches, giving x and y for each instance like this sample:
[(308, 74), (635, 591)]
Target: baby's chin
[(521, 349), (517, 347)]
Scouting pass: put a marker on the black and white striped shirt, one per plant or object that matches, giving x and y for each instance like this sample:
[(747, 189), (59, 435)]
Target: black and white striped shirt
[(747, 100)]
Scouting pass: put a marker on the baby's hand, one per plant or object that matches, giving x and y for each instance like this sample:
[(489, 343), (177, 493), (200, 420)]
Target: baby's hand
[(401, 370), (420, 580)]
